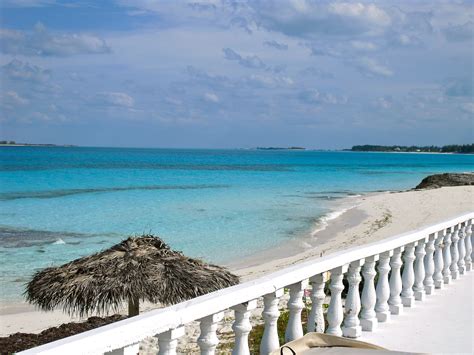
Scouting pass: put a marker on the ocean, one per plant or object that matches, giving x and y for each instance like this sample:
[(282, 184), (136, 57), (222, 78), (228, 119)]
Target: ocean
[(58, 204)]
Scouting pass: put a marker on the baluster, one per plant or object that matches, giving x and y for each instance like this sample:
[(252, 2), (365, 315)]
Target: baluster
[(462, 249), (270, 341), (447, 256), (438, 260), (242, 327), (126, 350), (168, 341), (352, 328), (472, 240), (395, 301), (468, 240), (408, 276), (368, 318), (429, 265), (316, 315), (294, 328), (454, 254), (208, 339), (335, 313), (383, 288), (418, 287)]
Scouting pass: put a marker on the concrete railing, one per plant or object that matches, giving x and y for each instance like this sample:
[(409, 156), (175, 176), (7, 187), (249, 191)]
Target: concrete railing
[(431, 257)]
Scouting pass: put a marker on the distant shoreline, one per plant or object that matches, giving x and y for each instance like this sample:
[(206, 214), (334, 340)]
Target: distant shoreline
[(36, 145)]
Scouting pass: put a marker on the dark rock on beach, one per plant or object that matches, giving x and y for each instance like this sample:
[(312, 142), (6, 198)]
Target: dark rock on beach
[(22, 341), (448, 179)]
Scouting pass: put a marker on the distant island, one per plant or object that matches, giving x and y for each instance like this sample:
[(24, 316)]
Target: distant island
[(15, 144), (280, 148), (453, 148)]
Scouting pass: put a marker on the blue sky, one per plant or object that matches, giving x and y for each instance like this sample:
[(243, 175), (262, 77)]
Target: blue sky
[(223, 73)]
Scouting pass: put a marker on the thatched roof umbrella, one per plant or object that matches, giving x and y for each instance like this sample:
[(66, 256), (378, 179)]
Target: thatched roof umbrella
[(138, 268)]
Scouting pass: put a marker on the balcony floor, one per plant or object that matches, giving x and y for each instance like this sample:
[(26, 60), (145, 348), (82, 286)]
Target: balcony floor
[(442, 323)]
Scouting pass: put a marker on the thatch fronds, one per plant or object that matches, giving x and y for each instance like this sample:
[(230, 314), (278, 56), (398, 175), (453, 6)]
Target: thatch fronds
[(138, 268)]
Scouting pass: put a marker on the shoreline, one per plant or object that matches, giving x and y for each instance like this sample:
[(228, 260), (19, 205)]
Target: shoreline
[(371, 217)]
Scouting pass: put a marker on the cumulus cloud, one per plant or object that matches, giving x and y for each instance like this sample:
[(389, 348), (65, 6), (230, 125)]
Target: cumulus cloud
[(468, 107), (363, 45), (40, 42), (23, 71), (316, 97), (317, 73), (12, 98), (120, 99), (250, 61), (277, 45), (211, 97), (370, 66), (464, 32)]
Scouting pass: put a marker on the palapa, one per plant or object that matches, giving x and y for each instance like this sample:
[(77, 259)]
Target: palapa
[(139, 268)]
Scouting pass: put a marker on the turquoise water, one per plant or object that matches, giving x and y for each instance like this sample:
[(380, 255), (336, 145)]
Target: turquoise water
[(57, 204)]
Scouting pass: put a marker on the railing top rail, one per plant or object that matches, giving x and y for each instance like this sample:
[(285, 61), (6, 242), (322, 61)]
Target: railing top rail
[(132, 330)]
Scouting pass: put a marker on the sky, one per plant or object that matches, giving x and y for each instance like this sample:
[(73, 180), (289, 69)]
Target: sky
[(237, 74)]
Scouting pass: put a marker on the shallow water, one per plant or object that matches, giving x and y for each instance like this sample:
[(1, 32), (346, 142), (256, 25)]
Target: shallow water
[(57, 204)]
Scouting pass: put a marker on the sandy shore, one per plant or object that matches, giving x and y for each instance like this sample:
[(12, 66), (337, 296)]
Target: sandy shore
[(370, 218)]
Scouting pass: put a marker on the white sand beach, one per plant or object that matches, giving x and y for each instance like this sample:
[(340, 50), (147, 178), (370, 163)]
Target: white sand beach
[(373, 217)]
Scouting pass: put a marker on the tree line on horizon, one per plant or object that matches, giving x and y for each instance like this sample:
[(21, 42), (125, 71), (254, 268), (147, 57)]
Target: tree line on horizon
[(452, 148)]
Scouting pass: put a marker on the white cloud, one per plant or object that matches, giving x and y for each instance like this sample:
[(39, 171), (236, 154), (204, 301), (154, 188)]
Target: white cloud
[(40, 42), (14, 98), (369, 13), (468, 107), (19, 70), (250, 61), (117, 99), (370, 66), (464, 32), (363, 45), (314, 96), (211, 97)]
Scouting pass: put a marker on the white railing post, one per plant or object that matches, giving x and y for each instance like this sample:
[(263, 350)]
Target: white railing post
[(270, 341), (447, 256), (242, 327), (208, 339), (316, 315), (168, 341), (462, 249), (438, 260), (127, 350), (472, 239), (395, 301), (352, 328), (294, 328), (455, 254), (383, 288), (368, 317), (418, 286), (429, 265), (335, 313), (408, 276), (468, 241)]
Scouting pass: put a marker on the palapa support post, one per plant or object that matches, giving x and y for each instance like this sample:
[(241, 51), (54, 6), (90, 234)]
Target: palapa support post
[(133, 307)]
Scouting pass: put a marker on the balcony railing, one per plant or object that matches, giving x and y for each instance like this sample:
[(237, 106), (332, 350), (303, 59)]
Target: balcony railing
[(409, 267)]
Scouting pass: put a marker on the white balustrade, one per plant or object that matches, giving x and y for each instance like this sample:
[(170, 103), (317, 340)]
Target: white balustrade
[(270, 341), (368, 317), (472, 239), (436, 262), (408, 276), (316, 315), (468, 241), (335, 313), (418, 286), (208, 339), (462, 249), (127, 350), (168, 341), (395, 301), (454, 253), (242, 327), (382, 291), (429, 264), (294, 329), (352, 328)]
